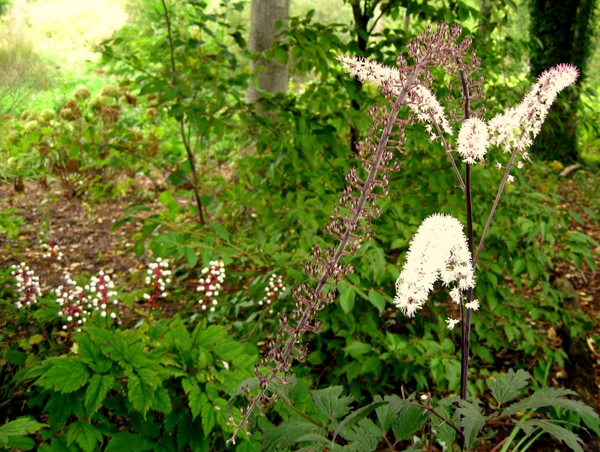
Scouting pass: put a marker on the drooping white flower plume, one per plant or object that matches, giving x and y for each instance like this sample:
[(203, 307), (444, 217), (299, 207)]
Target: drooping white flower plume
[(421, 100), (528, 116), (438, 250)]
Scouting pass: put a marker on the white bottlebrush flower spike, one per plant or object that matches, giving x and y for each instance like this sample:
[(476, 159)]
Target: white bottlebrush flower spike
[(438, 250), (421, 100), (517, 126), (473, 140)]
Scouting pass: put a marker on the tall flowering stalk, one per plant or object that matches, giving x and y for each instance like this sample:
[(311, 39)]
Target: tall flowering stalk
[(440, 249), (404, 86)]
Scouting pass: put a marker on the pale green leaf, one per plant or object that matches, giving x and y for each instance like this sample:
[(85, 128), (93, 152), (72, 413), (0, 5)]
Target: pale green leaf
[(65, 375)]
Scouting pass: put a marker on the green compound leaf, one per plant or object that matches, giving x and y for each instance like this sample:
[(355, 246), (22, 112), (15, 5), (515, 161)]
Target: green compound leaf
[(65, 375), (554, 397), (96, 392), (506, 387), (328, 400)]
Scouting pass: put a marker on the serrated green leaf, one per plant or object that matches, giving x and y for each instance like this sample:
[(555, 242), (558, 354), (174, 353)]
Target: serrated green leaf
[(85, 434), (20, 443), (90, 354), (21, 426), (472, 421), (110, 343), (196, 400), (506, 387), (355, 417), (442, 428), (141, 389), (128, 442), (558, 432), (554, 397), (59, 408), (328, 400), (65, 375), (161, 401), (209, 418), (386, 414), (364, 437), (96, 392)]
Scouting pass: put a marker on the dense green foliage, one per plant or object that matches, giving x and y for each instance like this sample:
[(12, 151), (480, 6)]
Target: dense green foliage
[(267, 183)]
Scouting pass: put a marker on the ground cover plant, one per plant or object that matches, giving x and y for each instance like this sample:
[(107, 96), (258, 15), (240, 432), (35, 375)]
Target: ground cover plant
[(161, 358)]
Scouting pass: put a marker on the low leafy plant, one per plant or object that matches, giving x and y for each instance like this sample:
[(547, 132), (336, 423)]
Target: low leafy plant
[(439, 251)]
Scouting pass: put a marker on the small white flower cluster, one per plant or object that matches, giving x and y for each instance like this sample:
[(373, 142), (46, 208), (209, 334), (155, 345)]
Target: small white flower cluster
[(438, 250), (473, 140), (52, 251), (274, 287), (210, 283), (73, 301), (517, 126), (27, 284), (158, 278), (101, 294)]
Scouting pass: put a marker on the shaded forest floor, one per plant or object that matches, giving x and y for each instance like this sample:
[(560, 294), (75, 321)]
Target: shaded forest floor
[(83, 231)]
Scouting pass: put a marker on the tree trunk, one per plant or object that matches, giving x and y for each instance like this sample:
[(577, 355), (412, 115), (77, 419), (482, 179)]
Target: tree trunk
[(263, 16), (563, 28)]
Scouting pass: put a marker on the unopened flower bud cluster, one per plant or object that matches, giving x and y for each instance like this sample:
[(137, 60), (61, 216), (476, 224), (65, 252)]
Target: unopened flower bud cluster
[(52, 251), (210, 282), (100, 294), (157, 277), (273, 289), (73, 301), (28, 285)]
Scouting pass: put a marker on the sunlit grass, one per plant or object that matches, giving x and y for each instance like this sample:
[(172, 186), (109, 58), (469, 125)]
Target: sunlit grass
[(64, 33)]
